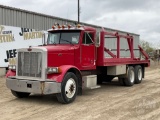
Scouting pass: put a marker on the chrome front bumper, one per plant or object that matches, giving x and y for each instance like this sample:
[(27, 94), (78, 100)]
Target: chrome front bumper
[(31, 86)]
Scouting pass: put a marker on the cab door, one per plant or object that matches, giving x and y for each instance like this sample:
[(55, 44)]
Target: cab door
[(88, 51)]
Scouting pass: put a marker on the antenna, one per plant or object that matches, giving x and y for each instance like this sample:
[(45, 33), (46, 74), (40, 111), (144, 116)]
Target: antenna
[(78, 11), (67, 16)]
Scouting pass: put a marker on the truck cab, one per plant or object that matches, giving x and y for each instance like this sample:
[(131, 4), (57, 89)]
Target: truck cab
[(56, 66), (74, 46)]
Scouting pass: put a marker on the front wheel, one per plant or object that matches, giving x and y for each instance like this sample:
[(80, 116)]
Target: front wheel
[(20, 94), (69, 88)]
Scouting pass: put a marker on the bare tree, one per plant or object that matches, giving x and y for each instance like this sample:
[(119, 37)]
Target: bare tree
[(147, 46)]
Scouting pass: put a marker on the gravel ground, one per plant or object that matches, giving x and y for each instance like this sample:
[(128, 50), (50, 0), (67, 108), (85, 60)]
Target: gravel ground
[(110, 102)]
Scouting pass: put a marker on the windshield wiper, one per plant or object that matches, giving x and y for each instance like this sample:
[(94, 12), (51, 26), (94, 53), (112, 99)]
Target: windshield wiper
[(54, 43), (67, 41)]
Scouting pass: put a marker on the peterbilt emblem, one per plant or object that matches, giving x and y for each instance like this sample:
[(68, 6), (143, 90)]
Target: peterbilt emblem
[(59, 54)]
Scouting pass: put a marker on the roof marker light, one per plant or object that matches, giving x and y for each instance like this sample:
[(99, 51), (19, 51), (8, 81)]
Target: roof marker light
[(53, 27), (78, 26), (63, 26), (69, 26), (59, 27)]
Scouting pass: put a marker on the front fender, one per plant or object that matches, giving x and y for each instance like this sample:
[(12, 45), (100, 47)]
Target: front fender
[(59, 77)]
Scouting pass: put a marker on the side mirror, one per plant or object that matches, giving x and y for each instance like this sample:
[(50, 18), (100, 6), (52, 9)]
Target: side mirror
[(98, 39)]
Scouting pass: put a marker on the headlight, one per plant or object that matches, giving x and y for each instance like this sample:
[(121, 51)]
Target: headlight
[(53, 70), (12, 67)]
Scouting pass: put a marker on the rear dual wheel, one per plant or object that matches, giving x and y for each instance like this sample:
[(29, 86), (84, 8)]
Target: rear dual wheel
[(130, 79), (138, 74), (134, 75)]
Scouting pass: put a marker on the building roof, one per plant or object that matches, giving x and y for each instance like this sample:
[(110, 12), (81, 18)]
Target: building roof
[(50, 16)]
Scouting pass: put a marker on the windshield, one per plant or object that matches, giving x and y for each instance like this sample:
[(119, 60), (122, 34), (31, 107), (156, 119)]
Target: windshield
[(63, 37)]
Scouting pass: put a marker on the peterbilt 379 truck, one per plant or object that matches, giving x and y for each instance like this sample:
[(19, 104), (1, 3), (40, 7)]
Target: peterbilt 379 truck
[(73, 58)]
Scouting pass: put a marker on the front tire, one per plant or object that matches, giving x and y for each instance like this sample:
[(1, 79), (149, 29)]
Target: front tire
[(69, 88), (20, 94)]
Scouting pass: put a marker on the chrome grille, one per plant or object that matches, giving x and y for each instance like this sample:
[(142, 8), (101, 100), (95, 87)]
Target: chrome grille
[(29, 64)]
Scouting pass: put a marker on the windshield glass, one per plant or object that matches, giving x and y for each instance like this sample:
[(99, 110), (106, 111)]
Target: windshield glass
[(63, 37)]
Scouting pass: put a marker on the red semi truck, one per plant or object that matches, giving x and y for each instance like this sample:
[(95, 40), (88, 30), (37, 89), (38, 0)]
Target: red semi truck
[(76, 57)]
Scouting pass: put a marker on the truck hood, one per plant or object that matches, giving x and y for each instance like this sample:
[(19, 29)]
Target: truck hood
[(59, 55), (59, 48)]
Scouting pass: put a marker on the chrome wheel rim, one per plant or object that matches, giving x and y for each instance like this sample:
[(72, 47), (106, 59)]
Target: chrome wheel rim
[(139, 74), (132, 76), (70, 88)]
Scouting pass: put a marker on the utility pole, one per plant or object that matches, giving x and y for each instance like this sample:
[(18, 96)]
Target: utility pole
[(78, 11)]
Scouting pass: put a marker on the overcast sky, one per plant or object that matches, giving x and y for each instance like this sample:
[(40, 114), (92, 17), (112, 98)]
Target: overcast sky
[(137, 16)]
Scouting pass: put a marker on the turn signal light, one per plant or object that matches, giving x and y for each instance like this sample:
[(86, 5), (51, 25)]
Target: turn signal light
[(51, 70)]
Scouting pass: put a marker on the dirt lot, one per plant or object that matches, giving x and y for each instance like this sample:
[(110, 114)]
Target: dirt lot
[(110, 102)]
